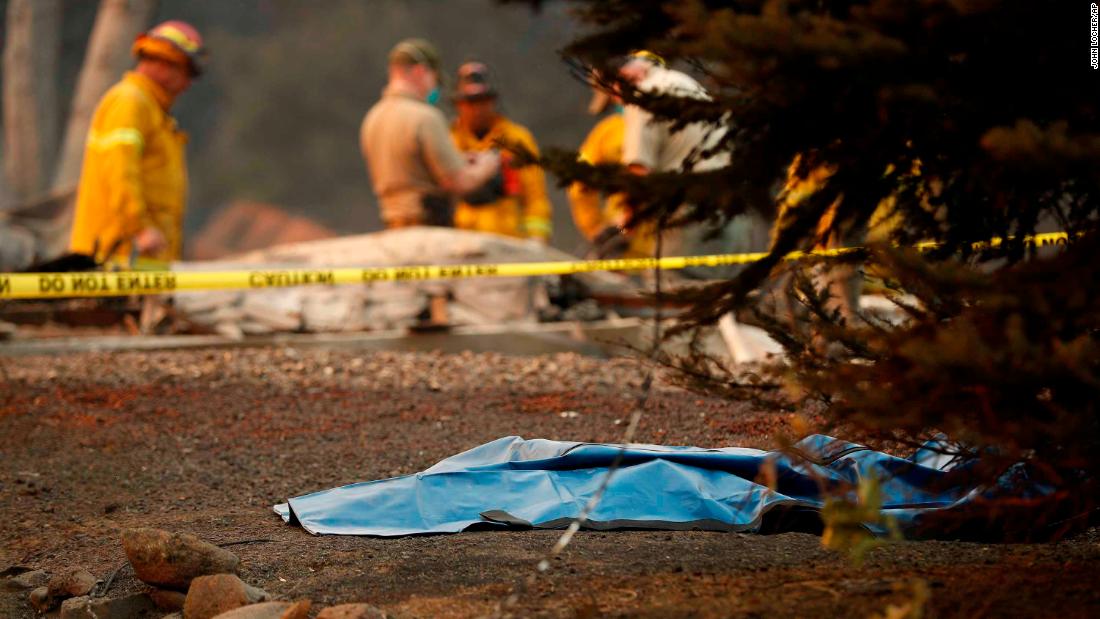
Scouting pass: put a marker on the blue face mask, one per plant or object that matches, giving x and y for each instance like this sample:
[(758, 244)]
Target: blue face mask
[(433, 96)]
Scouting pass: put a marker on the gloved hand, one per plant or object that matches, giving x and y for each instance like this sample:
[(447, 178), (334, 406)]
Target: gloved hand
[(611, 242), (150, 241), (493, 188)]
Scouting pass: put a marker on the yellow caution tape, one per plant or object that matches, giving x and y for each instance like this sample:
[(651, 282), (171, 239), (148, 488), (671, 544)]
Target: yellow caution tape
[(126, 283)]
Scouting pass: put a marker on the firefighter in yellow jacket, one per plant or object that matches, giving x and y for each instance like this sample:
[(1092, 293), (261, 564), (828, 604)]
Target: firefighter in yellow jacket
[(595, 217), (133, 183), (514, 202)]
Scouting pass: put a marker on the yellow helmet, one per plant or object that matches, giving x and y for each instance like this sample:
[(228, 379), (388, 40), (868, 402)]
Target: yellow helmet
[(645, 54)]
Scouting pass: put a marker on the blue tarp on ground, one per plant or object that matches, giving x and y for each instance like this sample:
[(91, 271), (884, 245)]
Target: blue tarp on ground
[(545, 484)]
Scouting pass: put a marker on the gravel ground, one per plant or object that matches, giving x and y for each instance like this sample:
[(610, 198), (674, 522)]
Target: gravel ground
[(207, 441)]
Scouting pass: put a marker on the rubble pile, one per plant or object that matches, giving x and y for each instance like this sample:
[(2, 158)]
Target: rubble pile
[(400, 304), (186, 578)]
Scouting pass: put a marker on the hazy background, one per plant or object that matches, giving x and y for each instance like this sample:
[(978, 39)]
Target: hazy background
[(276, 118)]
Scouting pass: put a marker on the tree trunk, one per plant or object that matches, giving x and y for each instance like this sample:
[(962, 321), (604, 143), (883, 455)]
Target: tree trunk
[(108, 55), (30, 94), (117, 22)]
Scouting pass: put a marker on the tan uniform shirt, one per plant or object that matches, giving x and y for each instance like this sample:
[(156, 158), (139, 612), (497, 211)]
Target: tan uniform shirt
[(653, 144), (408, 149)]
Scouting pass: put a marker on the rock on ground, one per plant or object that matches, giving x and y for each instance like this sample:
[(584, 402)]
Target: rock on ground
[(31, 579), (352, 611), (173, 560), (135, 606), (68, 583), (40, 599), (210, 596), (71, 583), (167, 600), (270, 610)]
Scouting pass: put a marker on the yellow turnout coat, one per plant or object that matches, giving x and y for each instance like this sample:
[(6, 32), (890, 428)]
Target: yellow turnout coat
[(134, 173)]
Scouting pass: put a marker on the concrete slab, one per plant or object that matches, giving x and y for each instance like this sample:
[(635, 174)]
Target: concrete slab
[(599, 338)]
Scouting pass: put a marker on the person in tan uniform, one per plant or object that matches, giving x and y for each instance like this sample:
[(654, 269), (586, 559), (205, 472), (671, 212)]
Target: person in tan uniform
[(414, 167)]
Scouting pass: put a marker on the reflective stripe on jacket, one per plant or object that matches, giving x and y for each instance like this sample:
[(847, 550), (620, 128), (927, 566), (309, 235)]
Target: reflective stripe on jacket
[(134, 173)]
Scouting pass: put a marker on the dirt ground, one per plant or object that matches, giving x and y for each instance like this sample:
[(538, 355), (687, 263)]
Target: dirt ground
[(207, 441)]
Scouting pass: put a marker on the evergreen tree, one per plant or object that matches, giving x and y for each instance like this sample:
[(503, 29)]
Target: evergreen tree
[(963, 120)]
